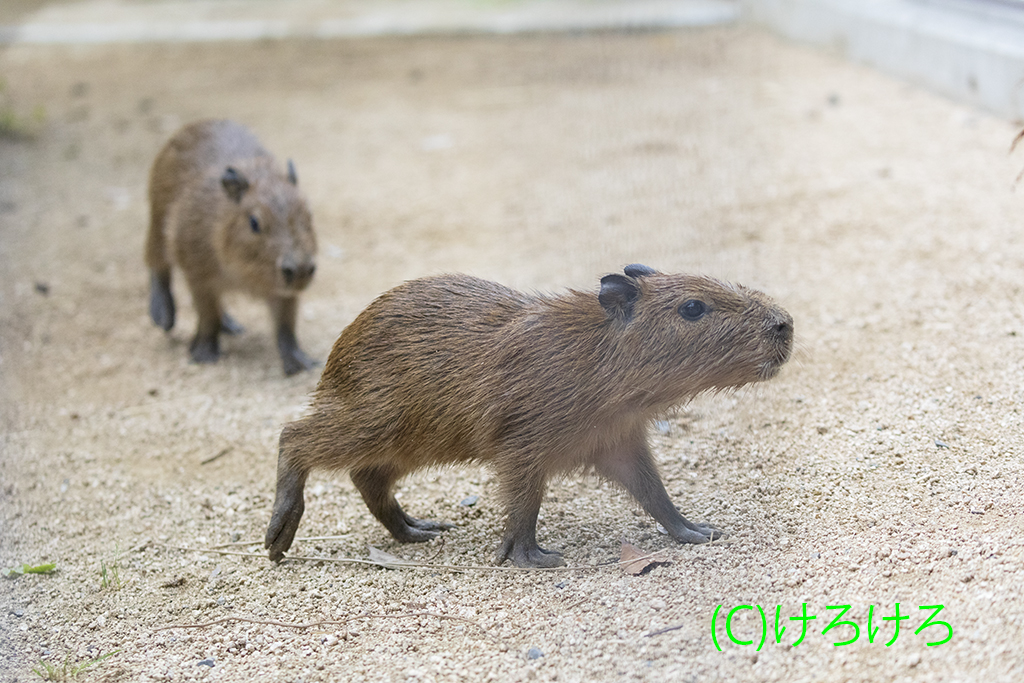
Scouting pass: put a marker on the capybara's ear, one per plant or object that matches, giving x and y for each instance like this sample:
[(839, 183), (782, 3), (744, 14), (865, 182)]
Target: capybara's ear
[(618, 294), (234, 184), (638, 270), (292, 178)]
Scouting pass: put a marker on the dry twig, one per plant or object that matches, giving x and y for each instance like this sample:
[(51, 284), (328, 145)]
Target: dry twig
[(223, 451), (408, 564), (330, 622)]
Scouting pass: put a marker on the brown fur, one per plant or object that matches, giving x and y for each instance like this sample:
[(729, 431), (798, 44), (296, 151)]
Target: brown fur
[(222, 210), (453, 368)]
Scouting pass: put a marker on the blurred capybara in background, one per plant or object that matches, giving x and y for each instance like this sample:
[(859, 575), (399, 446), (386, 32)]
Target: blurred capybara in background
[(225, 213)]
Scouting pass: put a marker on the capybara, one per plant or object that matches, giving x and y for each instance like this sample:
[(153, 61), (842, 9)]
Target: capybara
[(224, 212), (454, 369)]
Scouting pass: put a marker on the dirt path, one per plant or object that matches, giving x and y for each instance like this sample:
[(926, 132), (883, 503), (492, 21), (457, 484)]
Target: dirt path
[(882, 467)]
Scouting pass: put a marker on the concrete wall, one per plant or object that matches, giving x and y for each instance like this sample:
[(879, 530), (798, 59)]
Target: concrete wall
[(971, 50)]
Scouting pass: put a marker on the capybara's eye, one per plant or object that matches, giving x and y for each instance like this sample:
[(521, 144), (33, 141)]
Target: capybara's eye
[(254, 223), (693, 310)]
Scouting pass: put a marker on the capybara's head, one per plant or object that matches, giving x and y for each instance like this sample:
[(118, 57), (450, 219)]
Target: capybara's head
[(269, 241), (688, 333)]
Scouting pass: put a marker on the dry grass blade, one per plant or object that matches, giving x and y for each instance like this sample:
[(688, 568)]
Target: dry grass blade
[(389, 561)]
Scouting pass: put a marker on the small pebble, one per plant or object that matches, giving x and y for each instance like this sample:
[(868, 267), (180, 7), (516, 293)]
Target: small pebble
[(206, 662), (534, 653), (469, 501)]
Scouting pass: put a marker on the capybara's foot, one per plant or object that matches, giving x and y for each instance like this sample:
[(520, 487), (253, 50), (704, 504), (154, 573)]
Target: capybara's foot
[(284, 522), (412, 530), (711, 532), (429, 524), (281, 532), (293, 358), (204, 349), (295, 361), (161, 301), (229, 325), (529, 555), (699, 534)]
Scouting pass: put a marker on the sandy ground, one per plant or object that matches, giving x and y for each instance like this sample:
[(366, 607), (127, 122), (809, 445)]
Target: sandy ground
[(882, 467)]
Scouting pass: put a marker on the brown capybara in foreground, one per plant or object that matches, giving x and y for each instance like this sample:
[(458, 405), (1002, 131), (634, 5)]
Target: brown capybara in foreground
[(453, 368), (223, 212)]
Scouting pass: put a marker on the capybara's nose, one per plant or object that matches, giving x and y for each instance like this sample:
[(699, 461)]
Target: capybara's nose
[(298, 275), (784, 330)]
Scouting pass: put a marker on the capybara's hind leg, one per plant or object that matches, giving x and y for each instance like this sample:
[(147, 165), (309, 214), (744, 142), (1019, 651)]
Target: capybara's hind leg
[(375, 484), (288, 507)]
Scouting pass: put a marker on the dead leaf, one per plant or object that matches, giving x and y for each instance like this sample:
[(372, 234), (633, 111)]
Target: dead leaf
[(387, 560), (634, 561)]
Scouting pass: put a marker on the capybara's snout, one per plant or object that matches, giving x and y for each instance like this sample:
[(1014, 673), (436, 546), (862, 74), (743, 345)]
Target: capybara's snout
[(782, 331), (296, 273)]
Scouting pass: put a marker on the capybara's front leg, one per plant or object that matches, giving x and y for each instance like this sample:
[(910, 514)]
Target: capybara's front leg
[(205, 346), (161, 300), (294, 359), (633, 466), (524, 491), (229, 325)]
